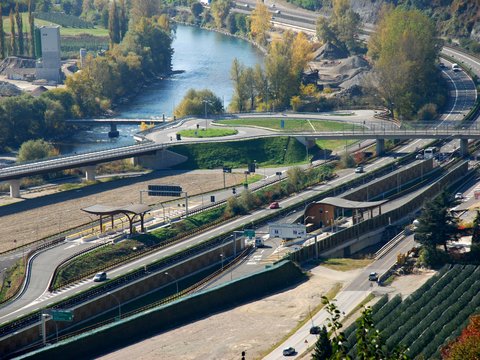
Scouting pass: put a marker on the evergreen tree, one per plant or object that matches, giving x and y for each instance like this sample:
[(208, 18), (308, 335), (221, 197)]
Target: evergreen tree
[(32, 29), (437, 225), (19, 21), (13, 43), (113, 25), (476, 229), (123, 19), (2, 36), (323, 347)]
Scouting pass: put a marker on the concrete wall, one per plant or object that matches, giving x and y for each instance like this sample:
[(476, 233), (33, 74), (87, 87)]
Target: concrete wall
[(130, 292), (163, 159), (157, 320)]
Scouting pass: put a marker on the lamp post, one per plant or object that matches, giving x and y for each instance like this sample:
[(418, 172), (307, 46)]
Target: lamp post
[(209, 103), (174, 279), (119, 305), (221, 256)]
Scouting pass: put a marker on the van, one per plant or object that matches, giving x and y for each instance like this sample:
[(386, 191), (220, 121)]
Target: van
[(429, 153), (259, 242), (455, 67)]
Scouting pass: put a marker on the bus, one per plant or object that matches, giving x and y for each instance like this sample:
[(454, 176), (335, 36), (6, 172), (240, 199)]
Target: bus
[(429, 153)]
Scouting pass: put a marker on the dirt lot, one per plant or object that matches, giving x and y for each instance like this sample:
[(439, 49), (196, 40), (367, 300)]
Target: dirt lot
[(38, 217), (254, 327)]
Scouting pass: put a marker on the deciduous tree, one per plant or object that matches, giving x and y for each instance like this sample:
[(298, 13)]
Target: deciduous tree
[(2, 35), (260, 23), (220, 10)]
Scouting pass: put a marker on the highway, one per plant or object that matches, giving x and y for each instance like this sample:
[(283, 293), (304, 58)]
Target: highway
[(36, 297)]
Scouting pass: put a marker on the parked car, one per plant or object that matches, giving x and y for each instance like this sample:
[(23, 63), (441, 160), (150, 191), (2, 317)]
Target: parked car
[(290, 351), (101, 276), (274, 205), (459, 196), (359, 170), (315, 330), (373, 276)]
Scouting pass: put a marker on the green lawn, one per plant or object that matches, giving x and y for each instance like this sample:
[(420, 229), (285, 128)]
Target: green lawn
[(345, 264), (63, 30), (292, 124), (211, 132)]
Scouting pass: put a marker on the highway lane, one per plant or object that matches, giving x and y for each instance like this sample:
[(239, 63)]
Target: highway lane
[(346, 301)]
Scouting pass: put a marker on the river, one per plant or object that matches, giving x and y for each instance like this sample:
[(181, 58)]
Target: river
[(205, 56)]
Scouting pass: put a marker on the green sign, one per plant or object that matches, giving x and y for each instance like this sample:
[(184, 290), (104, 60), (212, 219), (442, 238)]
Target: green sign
[(62, 315), (249, 233)]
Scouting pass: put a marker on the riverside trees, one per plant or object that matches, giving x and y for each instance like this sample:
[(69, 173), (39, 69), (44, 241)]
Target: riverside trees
[(404, 50)]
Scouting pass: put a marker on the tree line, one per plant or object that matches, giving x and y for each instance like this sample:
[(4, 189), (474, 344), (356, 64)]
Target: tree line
[(144, 53), (21, 43)]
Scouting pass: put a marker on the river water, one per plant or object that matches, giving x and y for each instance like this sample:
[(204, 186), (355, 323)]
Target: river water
[(205, 56)]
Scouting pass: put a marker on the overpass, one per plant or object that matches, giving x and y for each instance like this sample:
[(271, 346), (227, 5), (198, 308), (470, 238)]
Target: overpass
[(113, 122), (88, 161)]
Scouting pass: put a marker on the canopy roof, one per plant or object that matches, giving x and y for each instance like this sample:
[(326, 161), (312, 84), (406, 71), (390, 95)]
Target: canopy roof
[(112, 210), (350, 204)]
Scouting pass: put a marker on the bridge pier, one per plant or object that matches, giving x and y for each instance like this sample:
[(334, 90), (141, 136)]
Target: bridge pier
[(90, 172), (463, 147), (15, 188), (380, 147), (113, 131)]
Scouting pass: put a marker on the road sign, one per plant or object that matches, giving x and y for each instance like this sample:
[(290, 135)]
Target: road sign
[(249, 233), (62, 315), (282, 124), (164, 190)]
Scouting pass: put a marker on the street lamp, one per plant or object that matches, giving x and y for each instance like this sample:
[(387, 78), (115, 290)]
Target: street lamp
[(119, 305), (209, 103), (221, 256), (174, 279)]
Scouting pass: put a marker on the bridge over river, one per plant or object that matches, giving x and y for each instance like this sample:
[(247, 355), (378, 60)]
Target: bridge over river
[(165, 139)]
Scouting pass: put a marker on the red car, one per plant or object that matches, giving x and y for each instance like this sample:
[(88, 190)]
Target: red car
[(274, 205)]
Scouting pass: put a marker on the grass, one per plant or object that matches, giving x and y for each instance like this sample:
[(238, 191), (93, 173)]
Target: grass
[(63, 30), (15, 275), (291, 124), (330, 295), (345, 264), (334, 144), (207, 133)]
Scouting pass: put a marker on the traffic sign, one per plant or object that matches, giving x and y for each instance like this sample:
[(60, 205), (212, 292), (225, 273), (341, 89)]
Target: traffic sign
[(164, 190), (62, 315), (249, 233)]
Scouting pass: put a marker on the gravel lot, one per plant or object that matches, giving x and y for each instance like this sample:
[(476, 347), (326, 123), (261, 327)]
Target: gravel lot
[(46, 213), (254, 327)]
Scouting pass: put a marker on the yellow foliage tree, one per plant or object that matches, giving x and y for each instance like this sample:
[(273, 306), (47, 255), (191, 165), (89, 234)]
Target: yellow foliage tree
[(260, 23)]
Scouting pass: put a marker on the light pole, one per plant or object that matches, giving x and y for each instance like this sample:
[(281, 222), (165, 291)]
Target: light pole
[(221, 256), (209, 103), (174, 279), (119, 305)]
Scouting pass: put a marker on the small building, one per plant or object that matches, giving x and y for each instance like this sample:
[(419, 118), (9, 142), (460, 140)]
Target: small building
[(287, 231)]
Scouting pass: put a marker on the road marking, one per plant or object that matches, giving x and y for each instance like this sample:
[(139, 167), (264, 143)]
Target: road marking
[(314, 130)]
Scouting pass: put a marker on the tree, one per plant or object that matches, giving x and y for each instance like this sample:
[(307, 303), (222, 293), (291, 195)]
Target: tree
[(404, 50), (467, 345), (113, 24), (195, 101), (324, 31), (13, 43), (43, 5), (31, 24), (144, 9), (437, 225), (34, 150), (260, 23), (476, 229), (18, 20), (345, 24), (196, 8), (239, 91), (220, 10), (323, 347), (123, 19), (2, 36)]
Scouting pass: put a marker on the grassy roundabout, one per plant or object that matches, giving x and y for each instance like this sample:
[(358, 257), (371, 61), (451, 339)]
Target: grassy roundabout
[(292, 124), (206, 133)]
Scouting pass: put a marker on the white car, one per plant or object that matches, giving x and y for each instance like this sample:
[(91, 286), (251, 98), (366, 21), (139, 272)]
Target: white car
[(459, 196)]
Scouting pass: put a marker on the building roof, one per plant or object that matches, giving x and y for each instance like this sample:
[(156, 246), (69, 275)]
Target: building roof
[(112, 210), (350, 204)]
